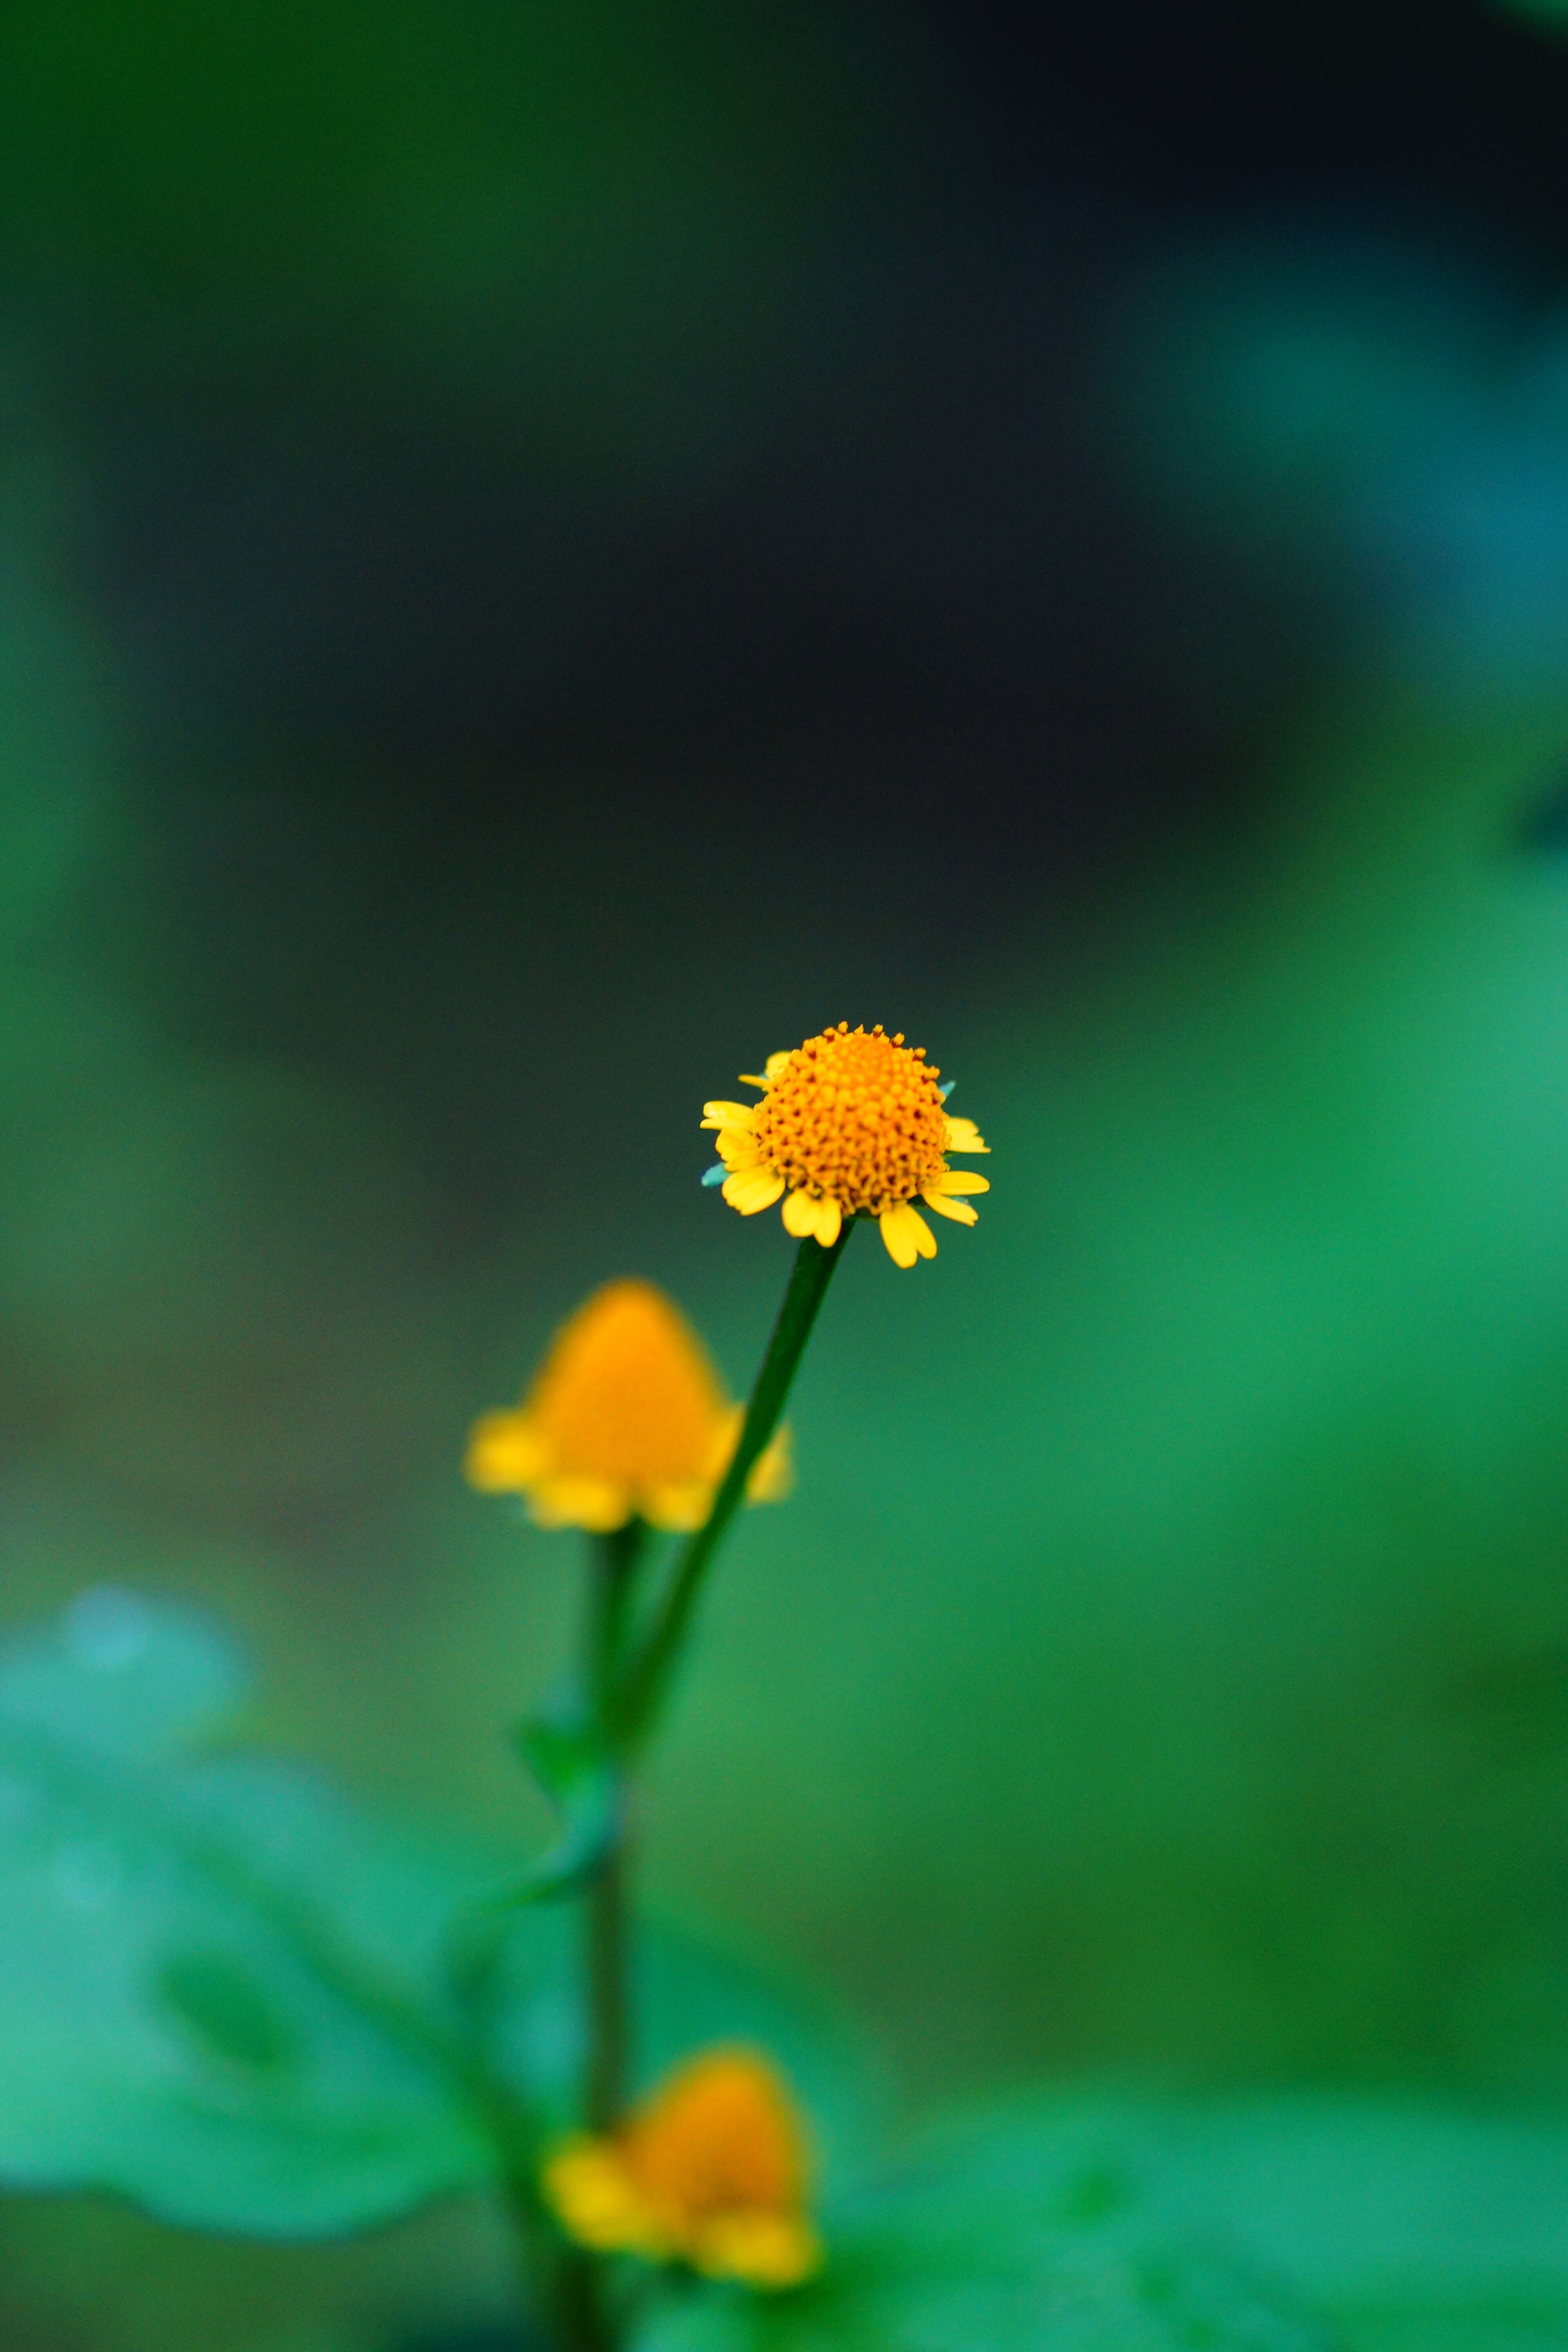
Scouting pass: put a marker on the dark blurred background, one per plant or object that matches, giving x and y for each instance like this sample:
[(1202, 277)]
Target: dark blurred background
[(548, 551)]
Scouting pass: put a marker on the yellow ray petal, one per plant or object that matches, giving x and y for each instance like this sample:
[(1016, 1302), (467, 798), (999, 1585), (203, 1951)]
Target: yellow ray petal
[(679, 1504), (962, 1179), (593, 2191), (738, 1147), (907, 1234), (751, 1188), (772, 1475), (963, 1135), (595, 1504), (765, 2249), (959, 1210), (506, 1454), (774, 1064), (726, 1436), (726, 1113), (820, 1219), (712, 2169), (800, 1215)]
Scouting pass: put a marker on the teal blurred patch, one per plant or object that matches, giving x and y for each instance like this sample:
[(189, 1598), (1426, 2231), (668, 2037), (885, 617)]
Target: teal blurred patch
[(1371, 418)]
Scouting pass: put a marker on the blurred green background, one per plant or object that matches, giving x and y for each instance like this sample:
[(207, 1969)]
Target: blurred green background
[(546, 552)]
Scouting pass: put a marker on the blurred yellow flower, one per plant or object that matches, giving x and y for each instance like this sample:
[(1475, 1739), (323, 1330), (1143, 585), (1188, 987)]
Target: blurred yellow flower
[(711, 2170), (625, 1417), (852, 1123)]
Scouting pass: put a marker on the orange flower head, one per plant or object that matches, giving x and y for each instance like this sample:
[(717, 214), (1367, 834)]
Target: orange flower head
[(851, 1124), (626, 1418), (711, 2170)]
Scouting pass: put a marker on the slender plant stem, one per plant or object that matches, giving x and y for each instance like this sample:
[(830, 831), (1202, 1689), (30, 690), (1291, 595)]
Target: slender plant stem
[(614, 1567), (609, 2009), (609, 1956), (627, 1694), (647, 1678), (584, 2317)]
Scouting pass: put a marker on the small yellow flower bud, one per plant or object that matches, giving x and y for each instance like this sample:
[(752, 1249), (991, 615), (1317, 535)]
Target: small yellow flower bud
[(625, 1417), (711, 2171)]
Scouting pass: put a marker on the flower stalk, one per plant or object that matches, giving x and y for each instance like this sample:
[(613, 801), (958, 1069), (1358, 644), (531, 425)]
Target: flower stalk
[(626, 1695), (647, 1677), (585, 2314), (613, 1573), (627, 1430)]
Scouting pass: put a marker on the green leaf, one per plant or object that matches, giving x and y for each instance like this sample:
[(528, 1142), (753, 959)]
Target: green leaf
[(121, 1677), (227, 2011), (1409, 2226), (1013, 2236), (569, 1758), (220, 1987), (1417, 2223), (1421, 2328), (227, 1993)]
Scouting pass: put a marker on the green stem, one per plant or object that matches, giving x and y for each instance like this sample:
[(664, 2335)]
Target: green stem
[(581, 2306), (615, 1563), (646, 1679), (560, 2284), (609, 2009), (580, 2290)]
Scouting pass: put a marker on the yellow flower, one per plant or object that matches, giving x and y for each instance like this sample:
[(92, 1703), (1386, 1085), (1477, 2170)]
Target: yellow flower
[(626, 1416), (711, 2170), (851, 1124)]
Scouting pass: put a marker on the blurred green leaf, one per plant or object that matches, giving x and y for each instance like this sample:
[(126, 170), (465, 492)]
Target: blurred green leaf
[(1504, 2329), (1415, 2223), (121, 1677), (1408, 2227), (225, 2007), (226, 1991), (220, 1988), (568, 1758), (1406, 2221), (1013, 2234)]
